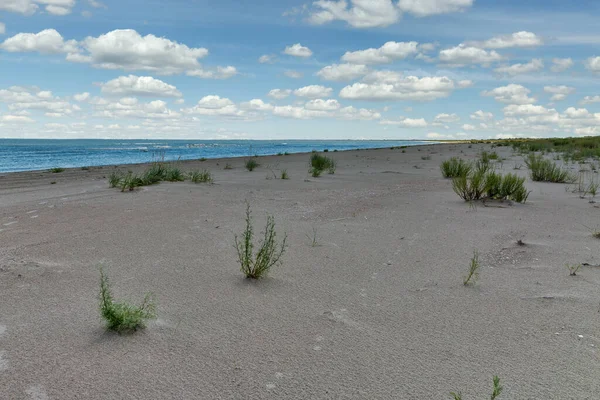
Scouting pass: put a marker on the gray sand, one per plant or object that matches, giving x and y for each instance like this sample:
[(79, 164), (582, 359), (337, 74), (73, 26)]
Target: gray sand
[(376, 311)]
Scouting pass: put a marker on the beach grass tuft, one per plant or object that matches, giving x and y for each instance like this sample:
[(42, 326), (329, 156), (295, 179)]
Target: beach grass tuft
[(256, 265), (320, 163), (57, 170), (473, 274), (455, 167), (543, 170), (497, 390), (203, 176), (251, 164), (284, 174), (123, 317)]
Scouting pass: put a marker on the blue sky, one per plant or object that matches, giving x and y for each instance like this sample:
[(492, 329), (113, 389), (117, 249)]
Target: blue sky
[(328, 69)]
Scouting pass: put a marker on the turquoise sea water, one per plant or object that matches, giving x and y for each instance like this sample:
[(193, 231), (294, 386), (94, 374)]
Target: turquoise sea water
[(40, 154)]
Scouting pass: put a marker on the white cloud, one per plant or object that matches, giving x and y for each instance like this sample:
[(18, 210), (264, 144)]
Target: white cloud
[(2, 28), (297, 50), (96, 4), (512, 94), (446, 118), (257, 104), (517, 69), (313, 91), (380, 13), (423, 8), (215, 106), (561, 64), (342, 72), (593, 64), (462, 55), (469, 127), (360, 14), (464, 83), (82, 96), (407, 122), (435, 135), (139, 86), (298, 112), (322, 105), (219, 73), (29, 7), (517, 39), (21, 99), (279, 93), (387, 85), (20, 119), (387, 53), (482, 116), (363, 114), (126, 49), (293, 74), (559, 92), (130, 107), (590, 99), (518, 110), (48, 41), (267, 59)]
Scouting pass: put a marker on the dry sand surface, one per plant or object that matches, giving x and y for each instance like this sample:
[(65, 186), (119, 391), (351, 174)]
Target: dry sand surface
[(376, 311)]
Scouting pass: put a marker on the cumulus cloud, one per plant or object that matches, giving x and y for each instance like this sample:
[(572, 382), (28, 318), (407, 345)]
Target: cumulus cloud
[(19, 99), (517, 69), (517, 39), (131, 107), (313, 91), (122, 49), (279, 93), (29, 7), (216, 106), (267, 59), (322, 105), (257, 105), (465, 83), (462, 55), (446, 118), (297, 50), (590, 99), (407, 122), (139, 86), (559, 92), (342, 72), (387, 53), (82, 96), (380, 13), (48, 41), (561, 64), (424, 8), (512, 94), (298, 112), (293, 74), (388, 85), (482, 116), (18, 119), (593, 64)]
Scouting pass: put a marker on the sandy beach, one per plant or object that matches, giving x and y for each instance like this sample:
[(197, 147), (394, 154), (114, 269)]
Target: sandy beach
[(377, 310)]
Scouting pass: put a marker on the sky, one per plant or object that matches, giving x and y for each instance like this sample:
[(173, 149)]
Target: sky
[(291, 69)]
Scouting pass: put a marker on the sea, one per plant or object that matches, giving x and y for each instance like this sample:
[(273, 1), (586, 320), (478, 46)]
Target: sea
[(41, 154)]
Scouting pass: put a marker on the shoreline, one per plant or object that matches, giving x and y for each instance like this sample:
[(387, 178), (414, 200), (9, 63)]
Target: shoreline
[(145, 164)]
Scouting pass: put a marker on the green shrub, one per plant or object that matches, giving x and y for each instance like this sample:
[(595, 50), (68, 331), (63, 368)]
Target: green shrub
[(480, 184), (543, 170), (320, 163), (130, 182), (455, 167), (284, 174), (201, 176), (251, 164), (57, 170), (154, 174), (256, 265), (123, 317), (469, 187)]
